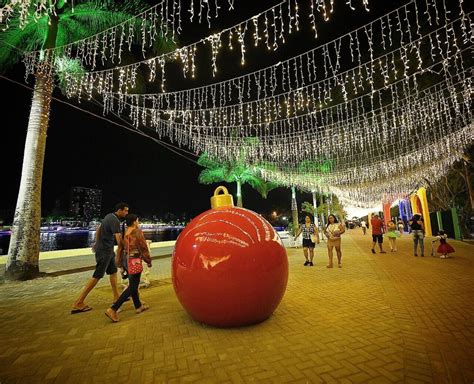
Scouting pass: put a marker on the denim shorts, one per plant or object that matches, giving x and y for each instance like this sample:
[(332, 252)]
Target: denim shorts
[(105, 263)]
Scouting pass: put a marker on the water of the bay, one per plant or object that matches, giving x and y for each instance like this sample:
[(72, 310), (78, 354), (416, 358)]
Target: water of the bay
[(83, 238)]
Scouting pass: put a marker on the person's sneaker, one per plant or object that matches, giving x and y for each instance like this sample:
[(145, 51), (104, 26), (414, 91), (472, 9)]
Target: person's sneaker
[(310, 264), (373, 250), (416, 255), (442, 257), (306, 263), (383, 252), (422, 255)]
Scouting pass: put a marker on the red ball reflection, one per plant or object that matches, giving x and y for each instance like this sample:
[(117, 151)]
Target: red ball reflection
[(229, 268)]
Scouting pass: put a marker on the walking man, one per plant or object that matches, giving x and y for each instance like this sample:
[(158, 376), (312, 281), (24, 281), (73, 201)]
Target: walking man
[(377, 232), (108, 231)]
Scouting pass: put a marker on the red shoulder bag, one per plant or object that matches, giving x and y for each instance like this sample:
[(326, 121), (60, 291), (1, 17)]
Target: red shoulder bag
[(134, 264)]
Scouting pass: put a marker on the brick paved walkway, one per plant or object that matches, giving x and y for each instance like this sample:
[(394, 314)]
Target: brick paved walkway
[(381, 318)]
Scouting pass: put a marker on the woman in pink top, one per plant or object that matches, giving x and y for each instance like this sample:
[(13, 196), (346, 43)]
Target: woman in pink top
[(135, 245)]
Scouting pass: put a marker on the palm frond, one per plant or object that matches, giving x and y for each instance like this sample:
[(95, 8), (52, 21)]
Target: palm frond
[(16, 40), (210, 176)]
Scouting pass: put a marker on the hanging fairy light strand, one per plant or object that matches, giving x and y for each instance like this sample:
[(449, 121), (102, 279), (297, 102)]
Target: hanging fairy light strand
[(22, 8), (169, 10), (154, 23), (270, 26), (352, 130), (402, 122), (379, 187), (161, 21), (262, 80), (242, 88), (216, 119), (290, 74)]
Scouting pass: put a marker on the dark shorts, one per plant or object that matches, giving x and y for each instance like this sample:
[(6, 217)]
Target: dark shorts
[(105, 263), (307, 243), (377, 239)]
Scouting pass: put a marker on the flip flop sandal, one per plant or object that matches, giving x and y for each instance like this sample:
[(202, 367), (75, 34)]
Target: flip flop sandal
[(143, 308), (80, 310), (110, 317)]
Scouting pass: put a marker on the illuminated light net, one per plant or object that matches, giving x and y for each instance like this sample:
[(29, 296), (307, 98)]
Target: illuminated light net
[(269, 28), (366, 116)]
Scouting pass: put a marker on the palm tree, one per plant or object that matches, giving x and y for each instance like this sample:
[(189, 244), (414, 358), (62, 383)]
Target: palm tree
[(294, 209), (263, 187), (232, 171), (68, 23), (260, 184)]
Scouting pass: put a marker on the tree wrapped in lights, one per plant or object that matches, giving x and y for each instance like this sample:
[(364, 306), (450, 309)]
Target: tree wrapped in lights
[(59, 26)]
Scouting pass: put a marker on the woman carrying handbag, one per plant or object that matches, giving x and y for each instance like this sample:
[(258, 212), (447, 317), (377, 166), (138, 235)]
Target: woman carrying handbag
[(136, 250)]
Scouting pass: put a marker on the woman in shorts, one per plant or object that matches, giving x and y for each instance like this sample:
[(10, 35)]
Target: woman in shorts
[(334, 230), (310, 238)]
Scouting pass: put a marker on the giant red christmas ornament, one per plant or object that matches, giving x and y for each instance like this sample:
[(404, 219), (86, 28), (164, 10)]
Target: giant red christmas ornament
[(229, 265)]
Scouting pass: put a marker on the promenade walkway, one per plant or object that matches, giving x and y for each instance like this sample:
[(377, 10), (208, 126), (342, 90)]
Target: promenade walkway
[(383, 318)]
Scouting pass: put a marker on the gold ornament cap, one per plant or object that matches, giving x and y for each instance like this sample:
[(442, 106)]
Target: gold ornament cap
[(221, 200)]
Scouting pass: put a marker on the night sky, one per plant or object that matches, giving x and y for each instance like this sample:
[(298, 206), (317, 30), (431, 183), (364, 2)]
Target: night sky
[(85, 151)]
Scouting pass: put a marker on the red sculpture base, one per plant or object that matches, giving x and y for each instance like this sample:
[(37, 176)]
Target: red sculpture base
[(229, 268)]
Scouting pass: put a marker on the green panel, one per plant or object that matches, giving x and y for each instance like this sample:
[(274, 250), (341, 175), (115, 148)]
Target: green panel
[(440, 220), (457, 229)]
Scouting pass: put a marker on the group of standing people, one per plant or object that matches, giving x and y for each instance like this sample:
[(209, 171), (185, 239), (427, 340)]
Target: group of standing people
[(332, 231), (417, 229), (132, 249)]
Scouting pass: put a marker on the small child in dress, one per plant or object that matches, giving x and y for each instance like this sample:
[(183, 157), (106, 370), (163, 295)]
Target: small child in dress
[(444, 248), (392, 235)]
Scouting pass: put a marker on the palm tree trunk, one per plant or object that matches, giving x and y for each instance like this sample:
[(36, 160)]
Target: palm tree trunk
[(294, 209), (323, 221), (315, 206), (239, 194), (23, 252)]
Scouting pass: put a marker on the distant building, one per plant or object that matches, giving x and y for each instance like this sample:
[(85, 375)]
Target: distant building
[(85, 202)]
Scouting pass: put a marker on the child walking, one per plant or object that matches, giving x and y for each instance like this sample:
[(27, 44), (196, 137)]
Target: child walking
[(392, 235), (444, 248)]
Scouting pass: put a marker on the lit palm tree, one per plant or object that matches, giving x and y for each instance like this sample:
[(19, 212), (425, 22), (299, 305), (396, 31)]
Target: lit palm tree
[(227, 171), (263, 187), (53, 29)]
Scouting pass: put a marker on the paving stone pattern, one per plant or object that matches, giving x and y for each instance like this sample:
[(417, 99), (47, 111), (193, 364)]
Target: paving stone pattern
[(384, 318)]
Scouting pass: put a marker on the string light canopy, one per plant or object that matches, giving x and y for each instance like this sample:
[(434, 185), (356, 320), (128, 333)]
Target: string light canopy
[(270, 28), (374, 77), (365, 116)]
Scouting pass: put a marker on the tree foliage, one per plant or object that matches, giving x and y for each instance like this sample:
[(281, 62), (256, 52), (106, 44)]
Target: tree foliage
[(334, 206), (454, 189), (237, 171)]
